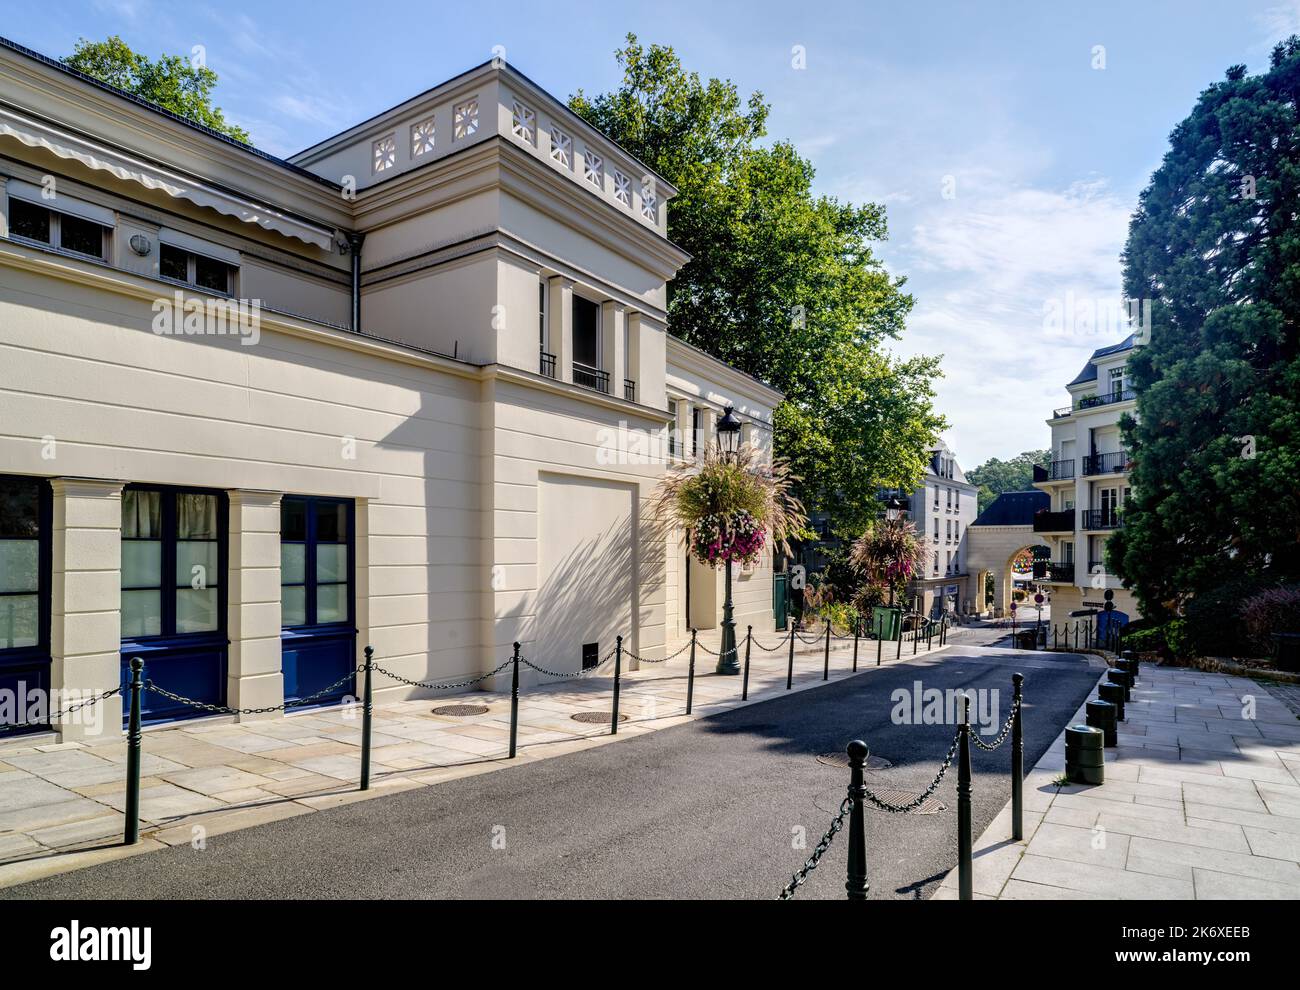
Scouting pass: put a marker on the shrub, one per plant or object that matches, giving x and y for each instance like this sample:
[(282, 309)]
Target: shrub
[(1169, 639), (1276, 610), (1213, 619)]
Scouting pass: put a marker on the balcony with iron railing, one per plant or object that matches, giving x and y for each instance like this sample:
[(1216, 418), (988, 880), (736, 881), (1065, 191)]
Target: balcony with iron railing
[(1061, 470), (1046, 521), (1095, 519), (589, 377), (1112, 462), (1093, 401), (629, 390), (548, 365), (1060, 572)]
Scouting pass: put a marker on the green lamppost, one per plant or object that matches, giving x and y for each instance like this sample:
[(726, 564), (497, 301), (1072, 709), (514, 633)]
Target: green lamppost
[(728, 443)]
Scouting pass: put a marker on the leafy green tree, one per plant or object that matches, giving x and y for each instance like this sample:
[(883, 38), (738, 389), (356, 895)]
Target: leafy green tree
[(171, 81), (1215, 245), (995, 476), (782, 283)]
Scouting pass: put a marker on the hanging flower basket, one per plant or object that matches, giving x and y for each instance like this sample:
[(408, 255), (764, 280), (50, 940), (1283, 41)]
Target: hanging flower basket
[(733, 505), (736, 536)]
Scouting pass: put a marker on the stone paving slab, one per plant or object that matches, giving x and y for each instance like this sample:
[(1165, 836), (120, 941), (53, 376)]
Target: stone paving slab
[(1201, 801), (61, 804)]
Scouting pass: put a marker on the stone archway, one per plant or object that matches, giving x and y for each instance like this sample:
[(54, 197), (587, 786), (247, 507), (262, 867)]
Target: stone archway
[(991, 551)]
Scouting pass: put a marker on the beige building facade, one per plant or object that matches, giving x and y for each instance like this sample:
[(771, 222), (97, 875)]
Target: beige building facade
[(411, 388), (1087, 482)]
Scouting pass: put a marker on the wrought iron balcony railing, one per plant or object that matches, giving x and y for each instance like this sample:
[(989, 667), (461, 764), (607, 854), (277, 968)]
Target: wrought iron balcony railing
[(589, 377), (1054, 522), (1061, 572), (629, 390), (548, 365), (1113, 462), (1060, 470), (1100, 519), (1092, 401)]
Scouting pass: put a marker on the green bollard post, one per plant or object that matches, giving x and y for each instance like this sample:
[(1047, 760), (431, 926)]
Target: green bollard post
[(749, 639), (366, 716), (618, 673), (1017, 763), (690, 676), (965, 867), (514, 703), (134, 742), (826, 668), (856, 884), (789, 672)]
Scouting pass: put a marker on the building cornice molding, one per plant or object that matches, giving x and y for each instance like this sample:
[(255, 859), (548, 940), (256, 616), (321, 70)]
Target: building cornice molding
[(682, 355)]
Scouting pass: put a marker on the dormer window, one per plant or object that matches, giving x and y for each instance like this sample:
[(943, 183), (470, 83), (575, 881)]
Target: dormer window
[(622, 188), (523, 123), (592, 164), (466, 120), (422, 138), (561, 148), (649, 201), (383, 154)]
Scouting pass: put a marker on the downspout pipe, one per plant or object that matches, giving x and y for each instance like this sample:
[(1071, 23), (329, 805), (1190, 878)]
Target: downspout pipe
[(354, 248)]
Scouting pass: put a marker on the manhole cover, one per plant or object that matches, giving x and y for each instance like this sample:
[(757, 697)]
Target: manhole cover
[(841, 761), (602, 717), (460, 711)]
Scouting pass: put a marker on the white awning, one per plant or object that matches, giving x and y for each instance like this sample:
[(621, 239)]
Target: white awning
[(36, 134)]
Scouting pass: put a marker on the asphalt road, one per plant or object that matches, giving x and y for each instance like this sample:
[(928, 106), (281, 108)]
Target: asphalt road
[(704, 810)]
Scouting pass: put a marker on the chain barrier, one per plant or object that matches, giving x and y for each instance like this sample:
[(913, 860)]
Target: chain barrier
[(53, 716), (780, 645), (715, 653), (801, 875), (442, 687), (672, 656), (586, 672), (285, 706), (1002, 736), (902, 809)]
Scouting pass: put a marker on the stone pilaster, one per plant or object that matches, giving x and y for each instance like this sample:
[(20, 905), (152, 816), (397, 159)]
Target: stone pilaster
[(253, 671), (85, 602)]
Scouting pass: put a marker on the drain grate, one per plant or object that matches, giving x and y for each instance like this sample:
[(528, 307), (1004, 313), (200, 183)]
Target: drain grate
[(895, 795), (460, 711), (841, 761), (602, 717)]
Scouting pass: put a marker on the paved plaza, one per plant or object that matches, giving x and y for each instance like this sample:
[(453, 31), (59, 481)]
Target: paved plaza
[(1201, 801)]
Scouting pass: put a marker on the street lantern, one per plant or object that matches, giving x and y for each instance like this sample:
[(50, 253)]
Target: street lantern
[(729, 443), (729, 432), (895, 506)]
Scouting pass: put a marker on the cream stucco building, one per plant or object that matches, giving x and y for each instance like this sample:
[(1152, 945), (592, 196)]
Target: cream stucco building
[(434, 426), (1088, 484)]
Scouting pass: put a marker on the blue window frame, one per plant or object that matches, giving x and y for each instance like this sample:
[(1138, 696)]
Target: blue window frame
[(26, 516), (173, 613), (317, 608)]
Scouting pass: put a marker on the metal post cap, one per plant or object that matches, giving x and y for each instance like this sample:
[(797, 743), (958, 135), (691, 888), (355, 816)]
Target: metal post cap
[(137, 664), (858, 751)]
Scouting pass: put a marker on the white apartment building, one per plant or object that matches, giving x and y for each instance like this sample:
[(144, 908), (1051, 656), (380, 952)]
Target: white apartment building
[(943, 507), (435, 426), (1088, 484)]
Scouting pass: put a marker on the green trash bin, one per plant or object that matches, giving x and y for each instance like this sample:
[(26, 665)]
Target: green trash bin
[(886, 622)]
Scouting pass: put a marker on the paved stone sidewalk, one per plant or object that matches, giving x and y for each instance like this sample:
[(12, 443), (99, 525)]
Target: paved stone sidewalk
[(1201, 801), (61, 804)]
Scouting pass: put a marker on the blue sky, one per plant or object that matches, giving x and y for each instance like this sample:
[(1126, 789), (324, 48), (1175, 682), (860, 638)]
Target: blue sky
[(1009, 159)]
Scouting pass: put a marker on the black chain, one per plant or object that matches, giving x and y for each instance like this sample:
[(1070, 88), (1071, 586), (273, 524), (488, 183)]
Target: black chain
[(902, 809), (58, 715), (671, 656), (715, 653), (1002, 736), (801, 875), (450, 686), (772, 649), (573, 673), (284, 706)]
